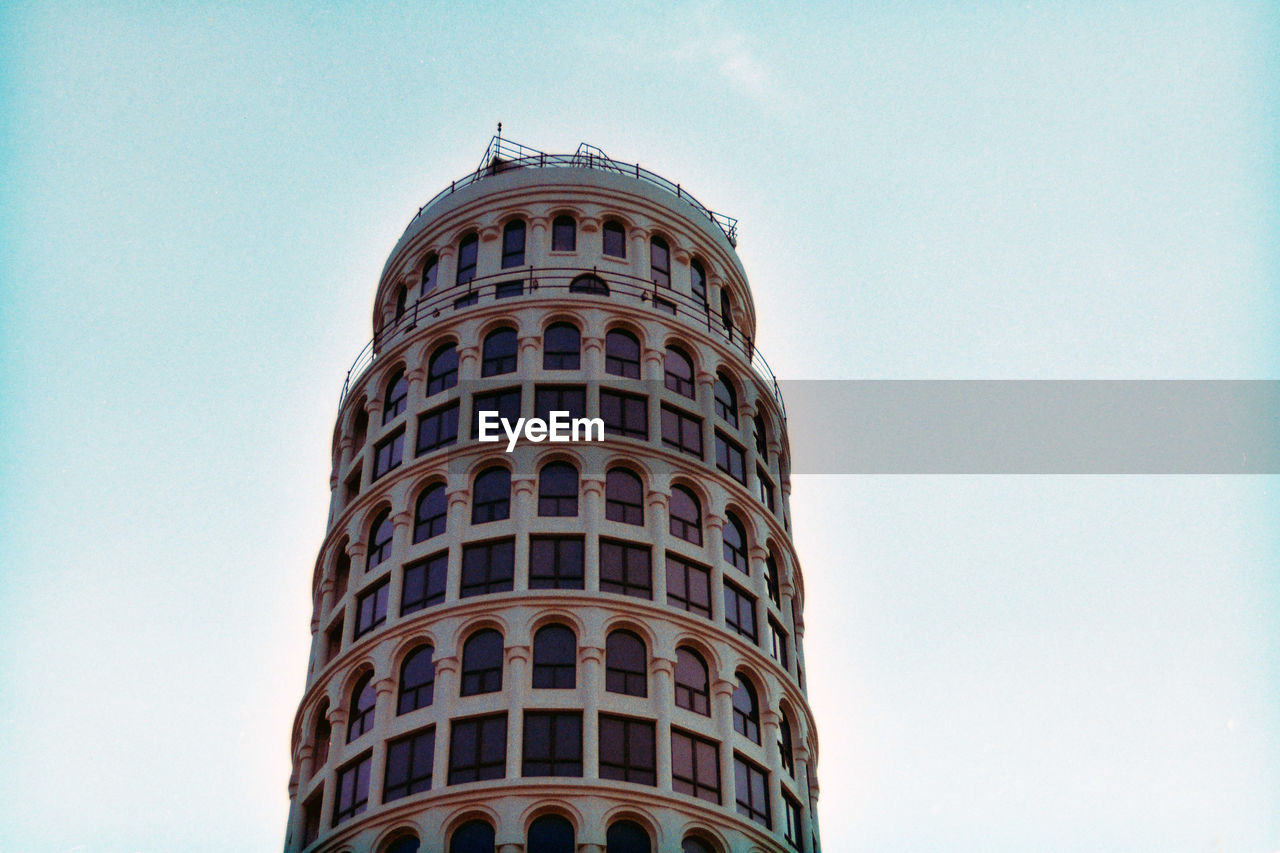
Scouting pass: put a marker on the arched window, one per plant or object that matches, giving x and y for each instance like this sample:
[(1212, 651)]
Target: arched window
[(622, 354), (564, 234), (589, 283), (363, 700), (359, 428), (558, 490), (762, 439), (726, 313), (623, 497), (380, 533), (561, 347), (402, 299), (614, 239), (626, 664), (513, 244), (551, 834), (442, 369), (417, 680), (660, 262), (693, 685), (698, 281), (482, 663), (431, 513), (498, 354), (397, 394), (323, 736), (735, 543), (555, 657), (746, 711), (430, 268), (693, 844), (467, 251), (627, 836), (491, 496), (404, 844), (678, 372), (726, 399), (771, 582), (475, 836), (686, 515), (785, 747)]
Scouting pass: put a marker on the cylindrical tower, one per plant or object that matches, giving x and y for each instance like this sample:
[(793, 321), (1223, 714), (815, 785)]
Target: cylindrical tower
[(590, 645)]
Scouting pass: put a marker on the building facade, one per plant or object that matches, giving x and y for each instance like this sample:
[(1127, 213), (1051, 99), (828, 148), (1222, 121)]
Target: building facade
[(574, 646)]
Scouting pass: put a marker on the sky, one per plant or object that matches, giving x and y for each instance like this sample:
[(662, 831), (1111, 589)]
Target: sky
[(196, 201)]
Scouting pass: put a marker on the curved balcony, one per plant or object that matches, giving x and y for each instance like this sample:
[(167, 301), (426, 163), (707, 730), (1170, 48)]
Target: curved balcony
[(556, 282)]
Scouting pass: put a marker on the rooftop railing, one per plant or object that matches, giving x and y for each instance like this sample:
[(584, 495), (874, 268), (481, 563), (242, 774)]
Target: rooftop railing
[(503, 155), (558, 282)]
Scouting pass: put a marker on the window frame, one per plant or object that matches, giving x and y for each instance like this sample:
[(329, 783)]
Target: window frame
[(489, 729)]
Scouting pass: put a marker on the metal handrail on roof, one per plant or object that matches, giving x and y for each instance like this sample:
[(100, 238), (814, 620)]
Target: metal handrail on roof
[(504, 155)]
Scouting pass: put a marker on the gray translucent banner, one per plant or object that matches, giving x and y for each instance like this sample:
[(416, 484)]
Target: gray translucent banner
[(1033, 427)]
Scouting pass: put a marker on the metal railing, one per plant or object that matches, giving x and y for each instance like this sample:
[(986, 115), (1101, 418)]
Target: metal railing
[(555, 282), (503, 155)]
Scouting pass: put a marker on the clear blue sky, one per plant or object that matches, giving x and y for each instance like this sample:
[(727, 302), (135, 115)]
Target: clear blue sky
[(196, 201)]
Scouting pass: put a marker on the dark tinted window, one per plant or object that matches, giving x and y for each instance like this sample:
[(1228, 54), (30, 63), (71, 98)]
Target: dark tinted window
[(560, 398), (751, 787), (477, 751), (627, 751), (505, 404), (623, 497), (438, 428), (371, 608), (430, 513), (678, 372), (726, 399), (409, 761), (552, 745), (564, 234), (442, 369), (730, 458), (660, 262), (417, 680), (555, 658), (626, 415), (693, 685), (397, 396), (558, 490), (487, 567), (682, 431), (622, 354), (551, 834), (491, 496), (482, 663), (735, 543), (513, 244), (380, 533), (352, 795), (467, 251), (388, 453), (625, 569), (498, 354), (626, 664), (473, 837), (561, 347), (740, 612), (746, 711), (688, 586), (424, 583), (695, 766), (698, 280), (685, 515), (430, 271), (614, 239), (627, 836), (363, 700)]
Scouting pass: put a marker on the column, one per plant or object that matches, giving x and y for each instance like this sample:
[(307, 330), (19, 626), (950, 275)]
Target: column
[(658, 526), (722, 709), (663, 671), (524, 504), (514, 683), (591, 511), (445, 691), (769, 731), (383, 714), (591, 662)]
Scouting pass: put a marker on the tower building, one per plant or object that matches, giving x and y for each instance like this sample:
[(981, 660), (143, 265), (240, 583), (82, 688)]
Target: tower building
[(572, 646)]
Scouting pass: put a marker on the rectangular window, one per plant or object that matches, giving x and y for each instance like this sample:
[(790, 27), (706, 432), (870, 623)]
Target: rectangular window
[(663, 304), (695, 766), (424, 583), (740, 612), (555, 562), (778, 644), (688, 586), (311, 817), (409, 760), (625, 569), (794, 834), (478, 749), (488, 567), (371, 608), (626, 415), (438, 428), (564, 235), (552, 743), (766, 490), (627, 752), (507, 289), (505, 402), (730, 458), (352, 794), (560, 398), (334, 635), (682, 431), (751, 791), (388, 453), (352, 486), (464, 301)]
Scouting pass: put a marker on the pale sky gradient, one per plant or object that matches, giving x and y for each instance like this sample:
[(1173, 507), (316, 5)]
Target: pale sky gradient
[(195, 204)]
